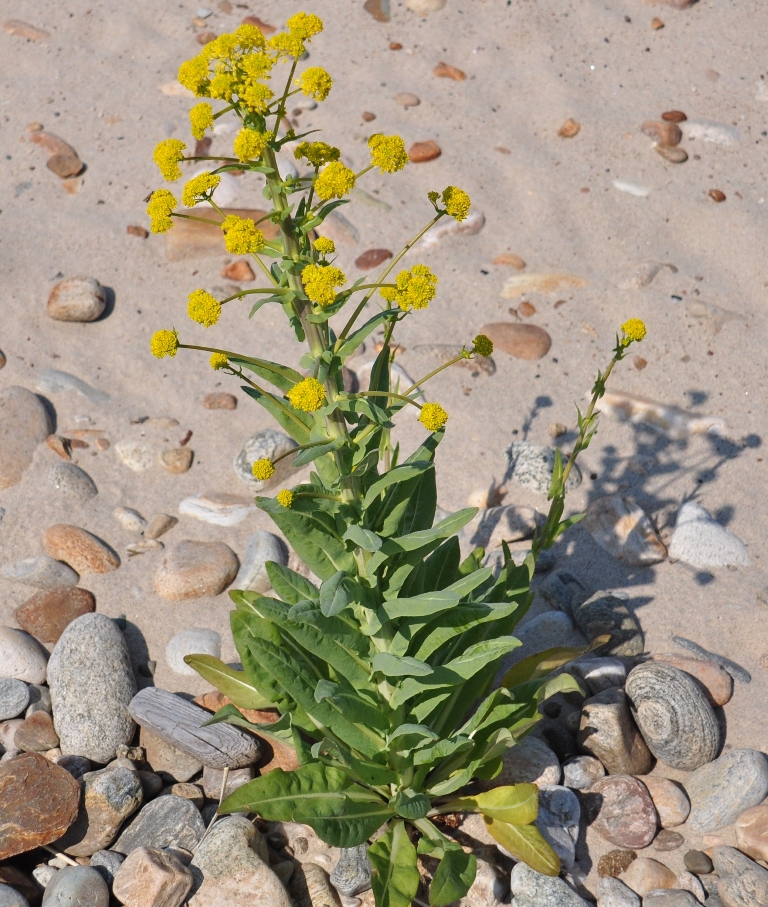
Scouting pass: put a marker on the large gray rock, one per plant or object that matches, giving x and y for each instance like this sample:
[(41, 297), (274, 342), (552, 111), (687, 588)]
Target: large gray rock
[(532, 889), (24, 423), (720, 791), (168, 821), (92, 684), (702, 542), (558, 821), (77, 886), (262, 547)]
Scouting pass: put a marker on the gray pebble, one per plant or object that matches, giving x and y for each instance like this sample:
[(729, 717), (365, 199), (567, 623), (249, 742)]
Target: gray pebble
[(168, 821), (14, 697), (558, 821), (531, 465), (698, 862), (262, 547), (702, 542), (720, 791), (41, 572), (532, 889), (264, 443), (77, 886), (604, 614), (582, 772), (77, 766), (72, 482), (130, 519), (43, 874), (613, 893), (39, 700), (195, 641), (9, 897), (670, 897), (52, 381), (352, 874), (106, 863)]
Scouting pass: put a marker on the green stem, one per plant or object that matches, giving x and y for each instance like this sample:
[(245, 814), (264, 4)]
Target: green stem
[(204, 220), (242, 293), (434, 372), (390, 394)]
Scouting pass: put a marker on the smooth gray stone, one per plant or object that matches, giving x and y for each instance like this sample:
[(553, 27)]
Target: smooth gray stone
[(582, 772), (558, 821), (168, 821), (702, 542), (743, 883), (77, 766), (531, 465), (532, 889), (267, 443), (697, 862), (194, 641), (352, 874), (9, 897), (560, 589), (14, 697), (606, 615), (614, 893), (262, 547), (72, 482), (41, 572), (77, 886), (180, 723), (51, 381), (720, 791), (670, 897), (673, 714), (107, 862), (92, 684), (39, 700)]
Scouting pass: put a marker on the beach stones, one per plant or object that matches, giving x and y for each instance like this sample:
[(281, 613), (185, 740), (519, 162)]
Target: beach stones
[(168, 821), (530, 466), (14, 697), (266, 443), (196, 641), (72, 482), (626, 815), (177, 460), (702, 542), (24, 423), (92, 683), (372, 259), (12, 896), (669, 799), (220, 400), (149, 876), (645, 874), (716, 682), (532, 889), (698, 862), (39, 803), (558, 821), (168, 759), (581, 772), (619, 526), (752, 832), (77, 886), (599, 674), (742, 882), (262, 547), (36, 734), (603, 614), (136, 455), (667, 840), (530, 761), (41, 572), (76, 299), (613, 893), (421, 152), (21, 656), (80, 549), (217, 508), (720, 791), (522, 341), (673, 714), (194, 569), (608, 732), (494, 525), (352, 874), (48, 613)]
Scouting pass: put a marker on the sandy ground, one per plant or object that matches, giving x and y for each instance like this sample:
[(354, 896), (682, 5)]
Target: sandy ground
[(530, 65)]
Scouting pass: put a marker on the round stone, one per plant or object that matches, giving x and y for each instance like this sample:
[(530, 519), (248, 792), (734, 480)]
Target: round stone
[(606, 730), (669, 799), (582, 772), (48, 613), (262, 548), (80, 549), (130, 519), (106, 863), (523, 341), (21, 656), (36, 734), (716, 681), (76, 299), (558, 821), (530, 466), (697, 862), (41, 572), (24, 423), (668, 840), (645, 875), (752, 832), (265, 444), (77, 885), (406, 99), (720, 791), (168, 821), (14, 697), (177, 460), (10, 897), (533, 889), (194, 569), (530, 761), (72, 482), (136, 455), (626, 815), (195, 641)]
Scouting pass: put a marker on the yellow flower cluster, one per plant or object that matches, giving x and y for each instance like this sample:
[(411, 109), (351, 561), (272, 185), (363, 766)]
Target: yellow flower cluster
[(305, 25), (250, 145), (317, 153), (167, 156), (200, 119), (324, 245), (634, 330), (315, 83), (483, 346), (263, 469), (241, 235), (456, 202), (164, 343), (203, 308), (388, 152), (285, 498), (308, 395), (161, 205), (199, 188), (433, 417), (218, 360), (320, 283), (334, 181), (415, 289)]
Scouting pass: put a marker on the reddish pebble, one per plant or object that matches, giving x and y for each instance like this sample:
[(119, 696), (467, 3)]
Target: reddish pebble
[(264, 26), (239, 270), (136, 230), (375, 8), (78, 443), (220, 400), (716, 195), (674, 116), (372, 259), (203, 146), (626, 815), (64, 165), (395, 45), (420, 152), (639, 363), (569, 129), (446, 71), (526, 309), (36, 734), (501, 149), (101, 444), (78, 548), (656, 23), (47, 614), (368, 116), (24, 30), (206, 37)]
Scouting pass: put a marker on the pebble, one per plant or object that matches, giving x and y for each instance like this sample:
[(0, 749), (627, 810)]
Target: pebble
[(136, 455), (669, 799), (190, 792), (689, 882), (262, 547), (711, 131), (53, 381), (41, 572), (220, 400), (239, 270), (582, 772), (446, 71), (36, 734), (667, 840), (421, 152), (613, 863), (721, 790), (80, 549), (605, 614), (716, 682), (168, 759), (523, 284), (532, 889), (48, 613), (701, 541), (137, 230), (159, 525), (569, 129), (471, 225), (267, 443), (665, 132), (529, 761), (717, 195), (21, 656), (670, 898), (509, 258), (130, 519), (195, 641), (558, 821), (530, 466), (149, 876), (194, 569), (626, 815), (310, 884), (619, 526), (608, 733), (698, 862), (77, 766), (352, 873), (425, 6), (645, 874), (24, 423), (599, 674), (495, 525), (90, 664), (752, 832), (11, 897), (168, 821), (3, 359), (673, 714), (613, 893), (24, 30), (736, 671), (107, 863), (40, 802), (523, 341), (631, 188), (372, 259), (560, 589), (72, 482), (14, 697), (66, 166), (76, 298), (77, 886), (675, 154), (217, 508), (177, 460), (406, 99), (743, 883)]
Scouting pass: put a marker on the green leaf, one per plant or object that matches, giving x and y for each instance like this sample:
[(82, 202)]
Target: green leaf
[(444, 749), (525, 843), (281, 376), (365, 770), (281, 730), (354, 340), (400, 474), (392, 666), (395, 879), (292, 587), (424, 605), (410, 805), (453, 877), (363, 538), (540, 664), (297, 426), (515, 804), (449, 526), (312, 453), (231, 683), (334, 596), (244, 628)]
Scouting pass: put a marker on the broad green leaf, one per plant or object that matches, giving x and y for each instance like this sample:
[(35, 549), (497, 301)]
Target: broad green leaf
[(244, 628), (392, 666), (281, 376), (364, 770), (363, 538), (414, 735), (231, 683), (292, 587), (297, 426), (312, 453), (542, 663), (453, 877), (449, 526), (428, 755), (453, 628), (395, 878), (334, 597), (424, 605), (525, 843), (393, 477), (516, 804), (281, 730)]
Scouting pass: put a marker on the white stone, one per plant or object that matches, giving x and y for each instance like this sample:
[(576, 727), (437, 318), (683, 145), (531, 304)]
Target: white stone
[(423, 7), (21, 656), (631, 188), (217, 508), (530, 761), (196, 641), (262, 547), (701, 541), (710, 131), (130, 519), (267, 443), (473, 223), (136, 455)]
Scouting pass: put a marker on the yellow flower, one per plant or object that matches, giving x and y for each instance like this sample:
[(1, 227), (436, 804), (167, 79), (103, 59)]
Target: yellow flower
[(317, 153), (201, 118), (203, 308), (415, 288), (250, 144), (193, 74), (218, 360), (324, 245), (285, 498), (305, 25), (254, 96), (263, 469), (320, 283), (334, 181), (456, 202), (199, 188), (250, 36), (167, 156), (388, 152), (634, 329), (241, 235), (222, 86), (315, 83), (161, 205), (483, 346), (308, 395), (287, 44), (433, 417), (164, 343)]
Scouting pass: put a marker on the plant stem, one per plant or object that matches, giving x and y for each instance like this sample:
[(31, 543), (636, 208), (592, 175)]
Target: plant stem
[(434, 372)]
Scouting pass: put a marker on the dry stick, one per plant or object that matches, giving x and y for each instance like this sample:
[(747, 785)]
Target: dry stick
[(60, 855)]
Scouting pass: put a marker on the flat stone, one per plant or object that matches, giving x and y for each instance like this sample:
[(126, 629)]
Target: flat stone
[(52, 381), (92, 684), (77, 886), (667, 840), (522, 341), (41, 572), (530, 761), (406, 99), (674, 897), (372, 259), (530, 465), (752, 832), (558, 821), (217, 508), (152, 878), (159, 525), (36, 734), (626, 815), (168, 821), (603, 614), (582, 772), (39, 800), (262, 547), (213, 779), (698, 862), (707, 130), (613, 893), (720, 791), (195, 641), (180, 723), (599, 674), (76, 298), (715, 680), (177, 460), (72, 482), (532, 889), (107, 863), (21, 656), (195, 569), (267, 443), (702, 542), (673, 714), (669, 798), (14, 697), (168, 759), (220, 400), (48, 613), (608, 732), (621, 527), (24, 423), (136, 455), (80, 549), (645, 874), (743, 883)]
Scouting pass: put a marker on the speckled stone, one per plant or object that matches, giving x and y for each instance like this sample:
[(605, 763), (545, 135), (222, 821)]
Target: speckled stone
[(720, 791), (626, 815), (669, 798), (582, 772), (76, 299), (24, 423), (21, 656), (532, 889), (152, 877), (613, 893), (615, 862), (193, 569), (352, 874), (531, 465), (742, 882), (72, 482), (606, 615), (267, 443), (168, 821), (80, 549), (608, 732), (673, 897), (645, 875), (14, 697)]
